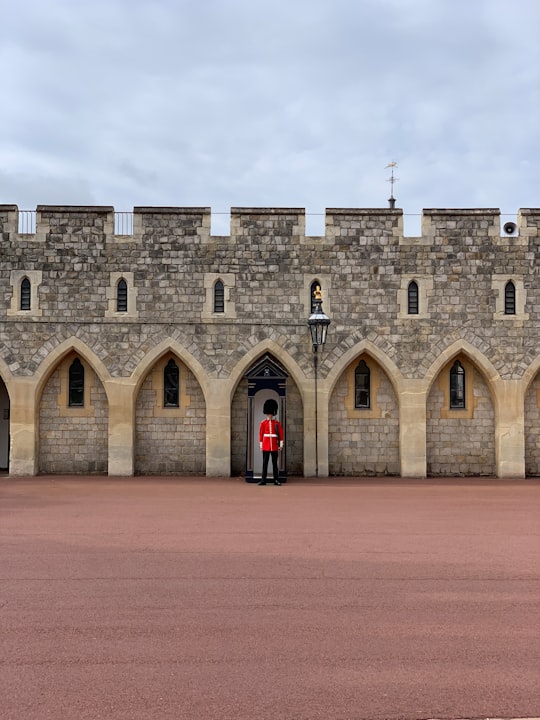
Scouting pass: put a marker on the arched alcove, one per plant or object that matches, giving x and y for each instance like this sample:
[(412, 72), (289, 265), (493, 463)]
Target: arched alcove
[(532, 427), (4, 426), (460, 432), (73, 436), (363, 421), (170, 426), (243, 421)]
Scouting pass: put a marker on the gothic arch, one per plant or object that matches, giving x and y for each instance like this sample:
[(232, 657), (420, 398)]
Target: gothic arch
[(170, 345), (528, 376), (245, 407), (472, 449), (5, 403), (529, 399), (478, 359), (6, 375), (365, 346), (165, 440), (84, 425), (281, 355), (54, 358)]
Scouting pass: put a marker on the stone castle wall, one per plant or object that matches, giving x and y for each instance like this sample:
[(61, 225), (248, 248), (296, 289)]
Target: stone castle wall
[(364, 263)]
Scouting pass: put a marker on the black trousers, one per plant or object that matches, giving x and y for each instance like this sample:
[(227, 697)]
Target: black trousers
[(266, 457)]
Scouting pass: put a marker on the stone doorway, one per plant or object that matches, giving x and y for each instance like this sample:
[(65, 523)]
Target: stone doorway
[(266, 379), (4, 427)]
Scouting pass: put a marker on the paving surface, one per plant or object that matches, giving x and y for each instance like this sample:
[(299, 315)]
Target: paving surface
[(135, 599)]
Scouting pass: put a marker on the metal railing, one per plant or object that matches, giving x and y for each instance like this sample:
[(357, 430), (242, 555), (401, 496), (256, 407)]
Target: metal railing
[(27, 222), (123, 223)]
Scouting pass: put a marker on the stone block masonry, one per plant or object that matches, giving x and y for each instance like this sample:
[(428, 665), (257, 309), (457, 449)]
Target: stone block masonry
[(478, 300)]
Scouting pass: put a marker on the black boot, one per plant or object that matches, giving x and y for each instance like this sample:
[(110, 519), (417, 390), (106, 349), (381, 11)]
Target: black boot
[(262, 482)]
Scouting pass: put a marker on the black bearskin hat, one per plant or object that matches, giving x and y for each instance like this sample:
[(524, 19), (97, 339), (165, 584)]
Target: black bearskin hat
[(270, 407)]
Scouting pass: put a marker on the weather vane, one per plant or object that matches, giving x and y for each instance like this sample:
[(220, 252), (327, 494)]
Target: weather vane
[(392, 179)]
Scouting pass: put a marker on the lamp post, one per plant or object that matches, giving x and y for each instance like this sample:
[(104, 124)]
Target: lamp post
[(318, 323)]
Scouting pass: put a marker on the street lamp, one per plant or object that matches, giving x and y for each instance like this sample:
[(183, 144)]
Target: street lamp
[(318, 323)]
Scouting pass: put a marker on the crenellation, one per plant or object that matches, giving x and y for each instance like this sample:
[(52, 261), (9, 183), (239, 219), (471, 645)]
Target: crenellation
[(529, 220), (56, 222), (9, 221), (161, 223), (254, 223), (461, 267)]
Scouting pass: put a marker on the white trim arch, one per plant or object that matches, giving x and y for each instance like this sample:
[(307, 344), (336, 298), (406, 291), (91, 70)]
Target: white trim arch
[(169, 345), (348, 424), (365, 346), (168, 456), (55, 357), (5, 422), (528, 376), (43, 374), (6, 375), (488, 371), (530, 402), (507, 415), (478, 359)]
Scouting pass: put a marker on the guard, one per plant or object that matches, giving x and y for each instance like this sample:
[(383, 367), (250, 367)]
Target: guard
[(271, 438)]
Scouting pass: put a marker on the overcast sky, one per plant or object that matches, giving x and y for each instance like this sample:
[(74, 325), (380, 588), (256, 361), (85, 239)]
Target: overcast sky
[(298, 103)]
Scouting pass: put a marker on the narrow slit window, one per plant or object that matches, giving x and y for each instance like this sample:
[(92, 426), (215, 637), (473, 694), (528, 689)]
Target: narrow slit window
[(219, 297), (457, 386), (171, 385), (509, 298), (362, 386), (25, 294), (76, 384), (412, 298), (121, 296)]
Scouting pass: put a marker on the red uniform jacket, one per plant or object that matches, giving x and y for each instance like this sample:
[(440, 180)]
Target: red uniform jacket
[(270, 434)]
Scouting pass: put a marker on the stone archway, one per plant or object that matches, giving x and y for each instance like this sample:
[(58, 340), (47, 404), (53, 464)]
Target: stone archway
[(363, 440), (170, 440), (264, 378), (532, 428), (460, 441), (4, 426), (73, 439)]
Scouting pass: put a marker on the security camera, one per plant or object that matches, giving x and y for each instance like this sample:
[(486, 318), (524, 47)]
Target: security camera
[(509, 228)]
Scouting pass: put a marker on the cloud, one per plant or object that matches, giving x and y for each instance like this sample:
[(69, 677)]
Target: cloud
[(30, 189), (240, 103)]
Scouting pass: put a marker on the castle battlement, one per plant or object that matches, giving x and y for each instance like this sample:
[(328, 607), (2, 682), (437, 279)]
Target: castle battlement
[(431, 365), (365, 224)]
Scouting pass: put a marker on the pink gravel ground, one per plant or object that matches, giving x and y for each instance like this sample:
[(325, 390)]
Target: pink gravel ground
[(143, 598)]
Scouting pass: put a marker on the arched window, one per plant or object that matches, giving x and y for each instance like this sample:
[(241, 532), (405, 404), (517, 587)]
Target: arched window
[(219, 297), (121, 296), (362, 386), (25, 294), (315, 286), (412, 298), (76, 384), (171, 385), (457, 385), (509, 298)]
